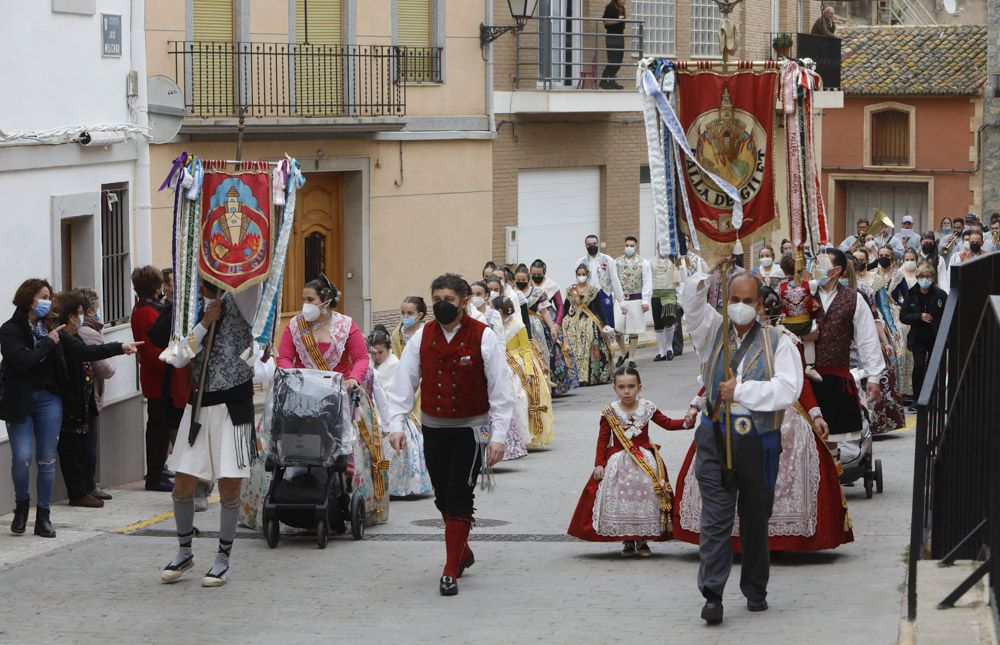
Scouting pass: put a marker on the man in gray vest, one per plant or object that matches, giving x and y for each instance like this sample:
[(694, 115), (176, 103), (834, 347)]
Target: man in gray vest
[(764, 379), (220, 443)]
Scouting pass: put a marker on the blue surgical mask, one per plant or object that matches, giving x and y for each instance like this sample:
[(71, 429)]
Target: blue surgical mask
[(42, 308), (844, 282), (408, 321), (99, 316), (925, 283), (946, 229), (821, 277), (629, 251)]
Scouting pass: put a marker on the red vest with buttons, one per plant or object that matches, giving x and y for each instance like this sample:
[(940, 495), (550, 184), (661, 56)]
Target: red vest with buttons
[(453, 377)]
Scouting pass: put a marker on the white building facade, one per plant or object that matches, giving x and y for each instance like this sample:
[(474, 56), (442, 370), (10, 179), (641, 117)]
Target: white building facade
[(77, 214)]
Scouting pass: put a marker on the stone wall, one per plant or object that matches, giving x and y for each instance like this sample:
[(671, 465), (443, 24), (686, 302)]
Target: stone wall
[(989, 150)]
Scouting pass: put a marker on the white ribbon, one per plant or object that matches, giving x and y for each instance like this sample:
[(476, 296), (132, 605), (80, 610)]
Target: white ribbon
[(651, 88)]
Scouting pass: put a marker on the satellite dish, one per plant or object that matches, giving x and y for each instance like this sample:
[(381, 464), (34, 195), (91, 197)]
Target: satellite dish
[(166, 108)]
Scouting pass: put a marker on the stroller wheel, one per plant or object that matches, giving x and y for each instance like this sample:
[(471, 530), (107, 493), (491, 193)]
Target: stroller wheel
[(271, 532), (357, 517), (322, 534), (878, 475), (868, 485)]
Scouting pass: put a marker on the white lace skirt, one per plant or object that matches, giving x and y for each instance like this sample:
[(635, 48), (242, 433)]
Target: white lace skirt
[(626, 503)]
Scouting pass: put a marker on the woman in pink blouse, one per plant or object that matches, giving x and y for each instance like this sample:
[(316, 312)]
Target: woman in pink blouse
[(320, 338)]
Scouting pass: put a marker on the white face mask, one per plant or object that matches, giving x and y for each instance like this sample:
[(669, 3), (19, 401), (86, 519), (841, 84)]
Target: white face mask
[(741, 313), (99, 316), (582, 279), (494, 295), (310, 312), (909, 265), (478, 302), (766, 262)]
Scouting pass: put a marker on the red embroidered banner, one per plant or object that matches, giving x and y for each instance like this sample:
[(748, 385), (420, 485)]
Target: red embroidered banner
[(236, 228), (729, 121)]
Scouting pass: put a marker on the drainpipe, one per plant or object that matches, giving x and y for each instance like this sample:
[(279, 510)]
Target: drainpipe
[(490, 113), (140, 188)]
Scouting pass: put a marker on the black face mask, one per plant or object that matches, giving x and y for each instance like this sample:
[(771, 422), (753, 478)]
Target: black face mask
[(592, 249), (927, 248), (975, 247), (885, 263), (521, 285), (445, 312), (538, 279)]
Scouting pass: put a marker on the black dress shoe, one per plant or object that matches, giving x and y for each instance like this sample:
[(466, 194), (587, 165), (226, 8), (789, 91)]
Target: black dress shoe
[(449, 586), (711, 613), (160, 486), (470, 560), (615, 85), (757, 605), (659, 358), (670, 355)]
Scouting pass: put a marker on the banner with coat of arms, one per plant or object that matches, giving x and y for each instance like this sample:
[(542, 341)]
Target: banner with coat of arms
[(236, 227), (729, 122)]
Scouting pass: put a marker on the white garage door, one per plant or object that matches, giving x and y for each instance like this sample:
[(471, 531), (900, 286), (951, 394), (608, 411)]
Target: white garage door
[(556, 209), (896, 200)]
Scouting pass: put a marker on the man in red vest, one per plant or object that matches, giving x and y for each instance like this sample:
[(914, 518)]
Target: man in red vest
[(466, 401)]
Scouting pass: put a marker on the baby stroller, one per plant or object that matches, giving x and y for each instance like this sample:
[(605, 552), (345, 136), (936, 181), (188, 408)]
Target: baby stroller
[(856, 455), (310, 438)]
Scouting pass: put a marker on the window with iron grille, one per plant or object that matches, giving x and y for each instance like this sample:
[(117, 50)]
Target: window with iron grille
[(890, 138), (116, 265), (414, 32), (705, 23), (659, 25)]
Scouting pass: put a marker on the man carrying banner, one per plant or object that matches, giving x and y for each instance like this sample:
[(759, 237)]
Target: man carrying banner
[(737, 473), (219, 442)]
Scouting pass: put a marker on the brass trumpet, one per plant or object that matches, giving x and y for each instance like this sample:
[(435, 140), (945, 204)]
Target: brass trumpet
[(951, 241)]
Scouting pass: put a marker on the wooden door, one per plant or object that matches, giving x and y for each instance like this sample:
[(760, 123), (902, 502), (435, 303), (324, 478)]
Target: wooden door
[(317, 244)]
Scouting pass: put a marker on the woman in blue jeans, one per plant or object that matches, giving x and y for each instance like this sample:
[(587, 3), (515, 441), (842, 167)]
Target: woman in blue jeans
[(33, 385)]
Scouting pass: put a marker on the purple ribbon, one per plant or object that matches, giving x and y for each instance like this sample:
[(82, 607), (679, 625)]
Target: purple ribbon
[(178, 162)]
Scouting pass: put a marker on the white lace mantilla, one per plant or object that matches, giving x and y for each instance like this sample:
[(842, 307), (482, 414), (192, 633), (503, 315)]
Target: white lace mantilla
[(796, 491), (633, 422)]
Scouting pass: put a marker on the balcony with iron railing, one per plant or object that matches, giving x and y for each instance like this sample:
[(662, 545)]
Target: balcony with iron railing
[(281, 85), (559, 64)]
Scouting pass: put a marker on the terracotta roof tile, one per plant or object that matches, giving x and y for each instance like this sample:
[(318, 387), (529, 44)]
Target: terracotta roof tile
[(913, 61)]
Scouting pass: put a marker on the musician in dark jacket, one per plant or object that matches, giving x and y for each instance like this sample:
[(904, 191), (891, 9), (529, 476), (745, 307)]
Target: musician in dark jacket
[(35, 385), (922, 311)]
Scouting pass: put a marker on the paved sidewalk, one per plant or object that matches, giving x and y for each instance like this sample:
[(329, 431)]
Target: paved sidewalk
[(531, 582)]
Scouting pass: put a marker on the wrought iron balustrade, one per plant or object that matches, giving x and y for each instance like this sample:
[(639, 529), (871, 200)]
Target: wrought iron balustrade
[(565, 52), (257, 79)]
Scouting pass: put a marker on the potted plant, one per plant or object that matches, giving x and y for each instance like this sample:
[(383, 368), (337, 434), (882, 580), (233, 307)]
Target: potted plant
[(782, 44)]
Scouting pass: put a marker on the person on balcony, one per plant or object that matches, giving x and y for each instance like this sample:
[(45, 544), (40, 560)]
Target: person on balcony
[(825, 25), (614, 23)]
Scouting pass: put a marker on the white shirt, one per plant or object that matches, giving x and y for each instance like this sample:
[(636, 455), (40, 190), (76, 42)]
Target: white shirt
[(402, 392), (603, 274), (387, 370), (865, 333), (246, 302), (703, 321)]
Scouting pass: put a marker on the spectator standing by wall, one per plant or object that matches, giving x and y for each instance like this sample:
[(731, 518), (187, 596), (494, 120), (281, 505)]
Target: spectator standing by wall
[(147, 282), (614, 24)]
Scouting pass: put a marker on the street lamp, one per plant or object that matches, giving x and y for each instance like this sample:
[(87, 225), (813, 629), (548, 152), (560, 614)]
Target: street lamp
[(520, 10)]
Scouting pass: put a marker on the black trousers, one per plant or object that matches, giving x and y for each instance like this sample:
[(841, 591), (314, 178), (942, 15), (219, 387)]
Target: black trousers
[(662, 320), (93, 443), (157, 439), (453, 462), (616, 52), (921, 356), (678, 341), (74, 462)]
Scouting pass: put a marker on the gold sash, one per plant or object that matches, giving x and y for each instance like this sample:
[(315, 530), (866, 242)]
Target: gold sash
[(600, 329), (659, 478), (380, 465), (310, 342), (535, 409)]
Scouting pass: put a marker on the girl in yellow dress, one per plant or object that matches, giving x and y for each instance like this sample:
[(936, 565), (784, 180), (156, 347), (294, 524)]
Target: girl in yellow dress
[(528, 366)]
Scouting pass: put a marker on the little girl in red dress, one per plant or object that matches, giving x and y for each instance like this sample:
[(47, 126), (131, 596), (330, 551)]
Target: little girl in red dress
[(628, 498)]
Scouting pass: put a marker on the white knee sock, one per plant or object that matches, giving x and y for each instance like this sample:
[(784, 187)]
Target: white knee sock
[(661, 342)]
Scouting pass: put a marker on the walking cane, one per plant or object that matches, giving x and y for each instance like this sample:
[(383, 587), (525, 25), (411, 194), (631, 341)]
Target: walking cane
[(728, 473), (196, 409)]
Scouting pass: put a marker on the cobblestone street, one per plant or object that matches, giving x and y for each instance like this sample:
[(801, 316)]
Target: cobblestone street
[(531, 582)]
